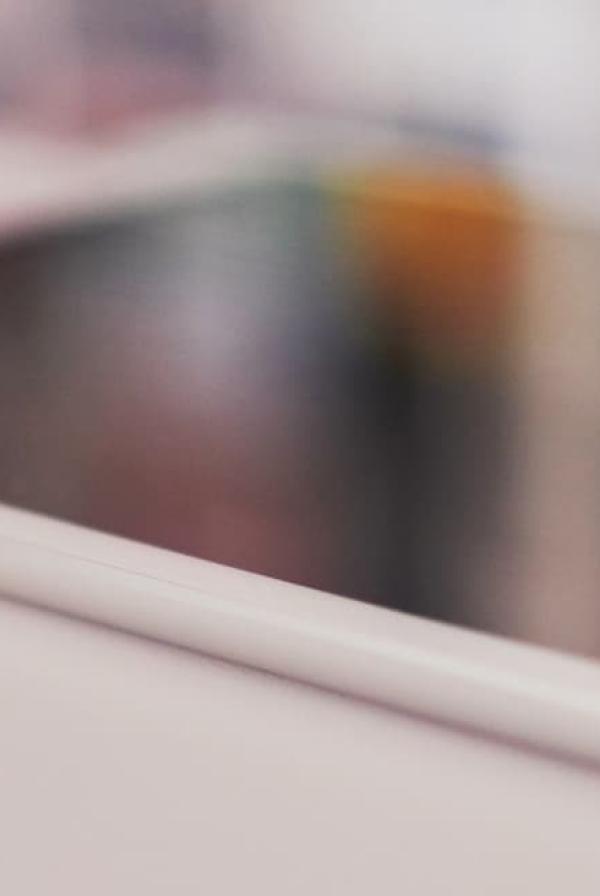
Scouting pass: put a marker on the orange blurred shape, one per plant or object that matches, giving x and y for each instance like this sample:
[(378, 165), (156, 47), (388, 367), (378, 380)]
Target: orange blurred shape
[(440, 248)]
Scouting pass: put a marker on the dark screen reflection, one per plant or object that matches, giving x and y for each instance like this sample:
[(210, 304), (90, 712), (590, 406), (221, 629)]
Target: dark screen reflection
[(280, 379)]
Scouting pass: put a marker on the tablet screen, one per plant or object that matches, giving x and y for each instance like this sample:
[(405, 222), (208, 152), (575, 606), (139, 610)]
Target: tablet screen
[(387, 395)]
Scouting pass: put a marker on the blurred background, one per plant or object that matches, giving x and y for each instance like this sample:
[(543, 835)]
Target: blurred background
[(312, 289)]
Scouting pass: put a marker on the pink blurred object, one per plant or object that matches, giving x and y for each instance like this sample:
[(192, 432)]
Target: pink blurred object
[(81, 67)]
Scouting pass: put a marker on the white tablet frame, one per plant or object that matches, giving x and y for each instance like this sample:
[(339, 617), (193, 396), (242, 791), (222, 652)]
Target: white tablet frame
[(496, 687)]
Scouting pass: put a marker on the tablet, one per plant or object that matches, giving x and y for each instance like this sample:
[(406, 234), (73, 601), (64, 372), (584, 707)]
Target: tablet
[(272, 380)]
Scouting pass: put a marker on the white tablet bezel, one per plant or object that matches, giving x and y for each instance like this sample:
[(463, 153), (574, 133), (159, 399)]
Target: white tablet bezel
[(493, 686)]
